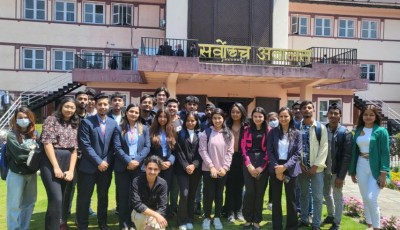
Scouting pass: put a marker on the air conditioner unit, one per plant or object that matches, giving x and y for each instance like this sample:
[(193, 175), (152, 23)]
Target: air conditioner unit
[(295, 24), (163, 23)]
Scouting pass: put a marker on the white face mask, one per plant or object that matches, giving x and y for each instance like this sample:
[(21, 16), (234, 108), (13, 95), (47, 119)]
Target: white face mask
[(274, 123), (23, 123)]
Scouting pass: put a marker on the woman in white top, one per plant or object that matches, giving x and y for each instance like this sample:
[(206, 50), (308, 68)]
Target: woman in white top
[(370, 165)]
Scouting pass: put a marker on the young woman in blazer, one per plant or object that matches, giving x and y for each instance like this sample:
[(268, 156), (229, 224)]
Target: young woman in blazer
[(21, 181), (236, 122), (370, 165), (216, 150), (284, 148), (57, 168), (187, 168), (255, 157), (135, 145), (163, 140)]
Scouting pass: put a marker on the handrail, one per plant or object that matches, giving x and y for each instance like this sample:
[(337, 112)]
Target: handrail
[(386, 109), (9, 113)]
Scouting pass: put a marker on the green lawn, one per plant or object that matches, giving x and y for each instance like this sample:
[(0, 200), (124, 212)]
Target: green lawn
[(37, 221)]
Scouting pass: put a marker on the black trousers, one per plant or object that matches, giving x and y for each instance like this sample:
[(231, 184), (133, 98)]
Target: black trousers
[(123, 182), (234, 186), (253, 196), (187, 187), (86, 184), (291, 217), (55, 188), (213, 189)]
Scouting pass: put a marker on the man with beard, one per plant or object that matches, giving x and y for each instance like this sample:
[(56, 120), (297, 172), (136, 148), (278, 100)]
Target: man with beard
[(313, 158), (161, 96), (207, 116), (81, 101), (98, 140), (172, 108), (146, 110), (117, 103)]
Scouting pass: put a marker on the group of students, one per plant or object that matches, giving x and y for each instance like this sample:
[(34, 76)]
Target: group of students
[(151, 145)]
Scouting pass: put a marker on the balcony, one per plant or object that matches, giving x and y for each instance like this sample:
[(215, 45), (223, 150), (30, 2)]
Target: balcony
[(97, 67)]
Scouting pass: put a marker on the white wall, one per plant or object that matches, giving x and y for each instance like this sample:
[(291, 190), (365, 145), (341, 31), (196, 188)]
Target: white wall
[(177, 19), (280, 29)]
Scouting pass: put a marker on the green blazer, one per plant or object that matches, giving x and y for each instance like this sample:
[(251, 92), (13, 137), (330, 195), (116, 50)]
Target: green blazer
[(379, 155)]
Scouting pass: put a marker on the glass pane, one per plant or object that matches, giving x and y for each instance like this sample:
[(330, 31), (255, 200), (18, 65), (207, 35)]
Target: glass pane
[(327, 31), (70, 6), (99, 9), (70, 17), (58, 65), (342, 23), (99, 18), (28, 4), (115, 8), (40, 14), (319, 31), (303, 21), (365, 25), (342, 32), (303, 30), (327, 22), (88, 17), (373, 34), (29, 14), (350, 23), (323, 106), (373, 25), (40, 5), (58, 55), (69, 65), (59, 6), (115, 19), (364, 34), (322, 117), (39, 54), (28, 53), (60, 16), (28, 64), (39, 64), (350, 33), (372, 76), (372, 68), (318, 22), (69, 56)]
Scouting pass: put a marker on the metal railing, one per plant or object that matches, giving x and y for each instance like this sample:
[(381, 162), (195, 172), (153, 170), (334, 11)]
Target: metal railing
[(100, 61), (329, 55), (169, 47), (5, 119)]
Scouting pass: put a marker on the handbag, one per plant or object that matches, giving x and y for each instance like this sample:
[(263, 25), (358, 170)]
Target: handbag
[(35, 156)]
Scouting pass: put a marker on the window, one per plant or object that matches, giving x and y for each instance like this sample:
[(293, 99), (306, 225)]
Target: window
[(63, 60), (346, 28), (33, 58), (64, 11), (323, 27), (368, 71), (94, 13), (369, 29), (303, 25), (34, 9), (122, 14), (93, 60), (323, 108)]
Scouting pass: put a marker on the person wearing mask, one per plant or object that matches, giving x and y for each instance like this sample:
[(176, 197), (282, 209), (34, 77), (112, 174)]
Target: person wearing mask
[(149, 197), (370, 162), (161, 95), (255, 158), (135, 144), (284, 150), (313, 158), (187, 169), (236, 122), (98, 141), (272, 119), (21, 181), (338, 161), (57, 168), (216, 150), (117, 103), (146, 110)]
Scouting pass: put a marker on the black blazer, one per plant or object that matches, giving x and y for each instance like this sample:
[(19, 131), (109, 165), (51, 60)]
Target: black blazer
[(294, 153), (95, 146), (187, 152), (122, 157)]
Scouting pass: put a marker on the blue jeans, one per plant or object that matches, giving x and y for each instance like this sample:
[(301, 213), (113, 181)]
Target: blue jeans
[(21, 199), (317, 187)]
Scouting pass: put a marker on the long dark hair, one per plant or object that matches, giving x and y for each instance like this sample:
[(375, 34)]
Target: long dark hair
[(243, 119), (125, 122), (292, 127), (60, 117), (185, 131), (30, 130), (262, 111), (378, 118), (155, 130), (226, 132)]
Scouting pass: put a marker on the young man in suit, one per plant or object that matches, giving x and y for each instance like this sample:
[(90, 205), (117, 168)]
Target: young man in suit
[(98, 140)]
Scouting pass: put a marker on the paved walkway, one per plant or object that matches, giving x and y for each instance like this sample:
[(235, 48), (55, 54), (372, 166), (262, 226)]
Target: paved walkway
[(389, 200)]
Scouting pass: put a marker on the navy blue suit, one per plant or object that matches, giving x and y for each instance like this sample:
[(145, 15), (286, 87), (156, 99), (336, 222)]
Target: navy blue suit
[(124, 177), (96, 147), (292, 164)]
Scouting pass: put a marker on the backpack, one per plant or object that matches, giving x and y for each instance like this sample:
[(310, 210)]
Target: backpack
[(318, 132), (3, 162)]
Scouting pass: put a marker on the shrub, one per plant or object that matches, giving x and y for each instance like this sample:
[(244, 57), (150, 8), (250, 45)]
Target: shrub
[(353, 206), (391, 223)]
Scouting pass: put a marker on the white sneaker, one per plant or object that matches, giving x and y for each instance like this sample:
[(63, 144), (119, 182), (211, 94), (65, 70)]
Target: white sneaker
[(189, 226), (182, 227), (206, 224), (217, 223), (269, 207)]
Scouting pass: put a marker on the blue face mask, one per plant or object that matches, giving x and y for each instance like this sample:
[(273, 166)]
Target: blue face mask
[(23, 123), (274, 123)]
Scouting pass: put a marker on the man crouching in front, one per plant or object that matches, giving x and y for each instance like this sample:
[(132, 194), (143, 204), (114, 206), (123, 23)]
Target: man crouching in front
[(149, 197)]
